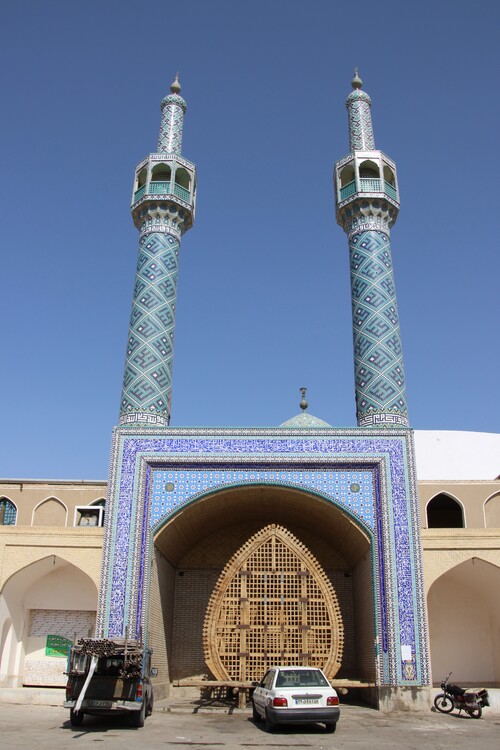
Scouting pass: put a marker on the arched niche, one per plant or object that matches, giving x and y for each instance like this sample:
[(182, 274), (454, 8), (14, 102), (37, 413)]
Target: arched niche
[(369, 169), (346, 175), (161, 173), (182, 178), (48, 597), (193, 546), (444, 512), (50, 512), (492, 512), (8, 512), (389, 176), (142, 177), (464, 622)]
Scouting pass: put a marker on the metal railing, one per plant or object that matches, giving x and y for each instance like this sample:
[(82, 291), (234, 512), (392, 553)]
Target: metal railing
[(163, 188), (391, 190), (368, 185)]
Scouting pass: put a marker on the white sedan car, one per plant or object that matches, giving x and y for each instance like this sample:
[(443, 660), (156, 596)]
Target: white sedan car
[(295, 695)]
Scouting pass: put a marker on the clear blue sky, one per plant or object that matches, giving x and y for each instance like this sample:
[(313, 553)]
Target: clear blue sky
[(264, 296)]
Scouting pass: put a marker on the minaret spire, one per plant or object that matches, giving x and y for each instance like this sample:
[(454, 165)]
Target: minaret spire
[(163, 208), (358, 105), (173, 109), (367, 201)]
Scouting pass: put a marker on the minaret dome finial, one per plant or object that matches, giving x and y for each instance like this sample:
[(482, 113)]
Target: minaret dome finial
[(175, 87), (303, 404), (356, 81)]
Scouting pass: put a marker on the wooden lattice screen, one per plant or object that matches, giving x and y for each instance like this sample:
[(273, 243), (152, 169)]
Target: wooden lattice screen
[(272, 604)]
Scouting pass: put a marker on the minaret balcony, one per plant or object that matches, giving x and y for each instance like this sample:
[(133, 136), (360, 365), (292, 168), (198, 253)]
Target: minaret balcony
[(163, 188), (368, 185)]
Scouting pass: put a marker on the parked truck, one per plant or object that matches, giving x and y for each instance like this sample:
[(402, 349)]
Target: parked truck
[(109, 677)]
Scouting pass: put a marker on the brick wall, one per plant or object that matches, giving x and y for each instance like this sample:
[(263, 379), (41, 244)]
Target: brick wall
[(363, 630), (160, 620)]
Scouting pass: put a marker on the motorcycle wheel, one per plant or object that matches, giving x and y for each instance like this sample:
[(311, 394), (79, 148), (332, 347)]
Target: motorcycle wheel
[(443, 703), (476, 713)]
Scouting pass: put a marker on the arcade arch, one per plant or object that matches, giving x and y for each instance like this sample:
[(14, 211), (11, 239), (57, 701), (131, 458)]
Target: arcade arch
[(48, 597), (445, 512), (464, 622), (50, 512), (492, 512), (192, 548)]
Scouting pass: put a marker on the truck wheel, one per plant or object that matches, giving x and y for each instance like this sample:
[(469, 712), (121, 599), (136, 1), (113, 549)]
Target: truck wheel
[(151, 703), (75, 719), (331, 727), (137, 718)]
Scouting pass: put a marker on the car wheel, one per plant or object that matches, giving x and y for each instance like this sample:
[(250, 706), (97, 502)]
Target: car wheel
[(269, 724), (75, 718), (331, 727), (255, 714)]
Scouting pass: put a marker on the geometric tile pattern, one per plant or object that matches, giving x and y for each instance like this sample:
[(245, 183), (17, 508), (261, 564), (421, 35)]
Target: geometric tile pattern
[(353, 488), (147, 382), (378, 359), (173, 108), (361, 137), (369, 474)]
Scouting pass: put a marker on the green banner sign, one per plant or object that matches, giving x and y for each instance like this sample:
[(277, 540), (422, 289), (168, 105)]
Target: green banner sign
[(57, 645)]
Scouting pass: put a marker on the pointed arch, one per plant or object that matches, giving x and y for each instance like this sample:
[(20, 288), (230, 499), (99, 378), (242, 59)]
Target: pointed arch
[(443, 511), (464, 621), (8, 512), (193, 544), (492, 511), (50, 512)]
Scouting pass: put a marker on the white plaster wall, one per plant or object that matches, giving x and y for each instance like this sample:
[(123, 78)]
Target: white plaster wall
[(50, 583), (456, 455), (464, 624), (64, 588)]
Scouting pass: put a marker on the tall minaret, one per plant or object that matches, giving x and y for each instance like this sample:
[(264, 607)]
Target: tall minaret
[(367, 201), (163, 207)]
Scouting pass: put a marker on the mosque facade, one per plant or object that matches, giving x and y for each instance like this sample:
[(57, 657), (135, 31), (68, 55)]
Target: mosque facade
[(229, 550)]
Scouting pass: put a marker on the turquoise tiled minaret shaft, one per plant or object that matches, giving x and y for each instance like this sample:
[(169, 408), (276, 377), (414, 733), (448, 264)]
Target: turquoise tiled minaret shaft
[(163, 207), (367, 201)]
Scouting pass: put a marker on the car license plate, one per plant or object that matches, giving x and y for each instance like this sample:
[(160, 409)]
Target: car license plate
[(307, 700), (100, 704)]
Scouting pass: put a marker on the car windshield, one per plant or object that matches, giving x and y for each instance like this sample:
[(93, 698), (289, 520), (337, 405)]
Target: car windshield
[(301, 678)]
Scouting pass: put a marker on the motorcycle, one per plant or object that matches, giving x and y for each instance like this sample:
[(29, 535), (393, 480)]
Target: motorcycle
[(453, 696)]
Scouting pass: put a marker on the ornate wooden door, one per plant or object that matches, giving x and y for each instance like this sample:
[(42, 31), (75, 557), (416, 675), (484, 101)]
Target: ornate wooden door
[(272, 604)]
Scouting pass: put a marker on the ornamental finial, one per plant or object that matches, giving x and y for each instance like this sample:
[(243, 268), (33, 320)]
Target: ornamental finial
[(356, 81), (303, 404), (175, 87)]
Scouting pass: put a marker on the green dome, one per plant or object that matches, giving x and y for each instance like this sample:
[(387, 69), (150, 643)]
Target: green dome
[(305, 420)]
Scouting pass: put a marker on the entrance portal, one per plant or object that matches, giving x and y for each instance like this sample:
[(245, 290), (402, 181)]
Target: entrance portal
[(272, 604)]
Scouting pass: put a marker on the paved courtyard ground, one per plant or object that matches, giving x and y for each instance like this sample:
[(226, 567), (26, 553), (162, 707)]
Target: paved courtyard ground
[(44, 727)]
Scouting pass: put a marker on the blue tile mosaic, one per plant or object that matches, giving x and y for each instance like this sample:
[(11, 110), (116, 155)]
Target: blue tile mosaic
[(370, 475)]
